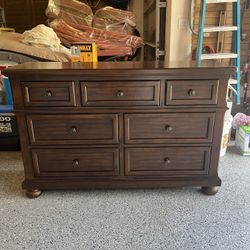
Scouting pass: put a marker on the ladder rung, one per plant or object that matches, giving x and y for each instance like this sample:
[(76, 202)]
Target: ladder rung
[(220, 28), (221, 1), (232, 81), (218, 56)]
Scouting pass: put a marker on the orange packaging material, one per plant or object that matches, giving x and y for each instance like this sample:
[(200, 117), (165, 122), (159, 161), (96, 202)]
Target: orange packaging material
[(104, 35), (81, 33)]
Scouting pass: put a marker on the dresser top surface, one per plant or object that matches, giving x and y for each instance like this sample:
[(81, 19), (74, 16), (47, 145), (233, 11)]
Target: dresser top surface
[(118, 67)]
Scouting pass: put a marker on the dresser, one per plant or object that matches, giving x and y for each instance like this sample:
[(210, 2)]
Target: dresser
[(119, 125)]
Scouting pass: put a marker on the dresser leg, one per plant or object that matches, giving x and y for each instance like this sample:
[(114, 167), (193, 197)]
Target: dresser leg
[(33, 193), (210, 190)]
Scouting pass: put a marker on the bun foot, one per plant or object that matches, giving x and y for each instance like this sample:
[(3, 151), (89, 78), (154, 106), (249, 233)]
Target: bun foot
[(210, 190), (34, 193)]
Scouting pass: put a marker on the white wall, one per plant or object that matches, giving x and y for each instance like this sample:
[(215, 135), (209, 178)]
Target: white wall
[(178, 36)]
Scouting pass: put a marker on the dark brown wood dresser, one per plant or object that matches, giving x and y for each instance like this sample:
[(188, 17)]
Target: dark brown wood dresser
[(119, 125)]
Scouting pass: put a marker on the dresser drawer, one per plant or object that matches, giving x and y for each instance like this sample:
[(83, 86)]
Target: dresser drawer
[(49, 94), (76, 162), (167, 161), (73, 129), (169, 128), (192, 92), (123, 93)]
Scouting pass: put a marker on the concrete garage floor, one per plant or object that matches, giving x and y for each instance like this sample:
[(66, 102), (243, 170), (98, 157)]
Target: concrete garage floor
[(179, 218)]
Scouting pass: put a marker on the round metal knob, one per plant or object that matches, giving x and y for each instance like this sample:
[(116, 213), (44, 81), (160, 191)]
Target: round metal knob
[(192, 92), (120, 93), (48, 93), (76, 162), (168, 128), (73, 130), (167, 160)]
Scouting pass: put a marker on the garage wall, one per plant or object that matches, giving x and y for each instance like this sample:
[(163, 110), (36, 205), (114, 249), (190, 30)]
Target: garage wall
[(212, 19), (245, 44), (24, 14), (178, 36), (137, 7)]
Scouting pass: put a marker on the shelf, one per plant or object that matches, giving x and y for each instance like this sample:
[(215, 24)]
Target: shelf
[(221, 1), (218, 56), (220, 28)]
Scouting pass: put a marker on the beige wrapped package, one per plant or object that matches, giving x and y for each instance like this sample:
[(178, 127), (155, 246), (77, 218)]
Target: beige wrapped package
[(105, 24), (72, 11), (115, 20), (42, 36)]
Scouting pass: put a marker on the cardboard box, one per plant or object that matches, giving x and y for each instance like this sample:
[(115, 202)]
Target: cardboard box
[(84, 52), (8, 125), (8, 132), (242, 140)]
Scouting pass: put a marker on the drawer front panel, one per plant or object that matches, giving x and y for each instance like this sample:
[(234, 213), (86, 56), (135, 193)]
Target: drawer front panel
[(167, 161), (121, 93), (73, 129), (192, 92), (76, 162), (169, 128), (45, 94)]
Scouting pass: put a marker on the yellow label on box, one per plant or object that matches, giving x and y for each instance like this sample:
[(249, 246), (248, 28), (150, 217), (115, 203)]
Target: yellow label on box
[(85, 52)]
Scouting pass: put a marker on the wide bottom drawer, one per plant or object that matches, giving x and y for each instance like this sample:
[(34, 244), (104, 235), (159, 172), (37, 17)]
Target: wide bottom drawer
[(76, 162), (167, 161)]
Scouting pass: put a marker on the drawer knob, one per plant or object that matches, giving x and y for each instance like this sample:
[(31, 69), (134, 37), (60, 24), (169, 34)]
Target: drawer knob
[(73, 130), (120, 93), (169, 128), (167, 160), (192, 92), (76, 162), (48, 93)]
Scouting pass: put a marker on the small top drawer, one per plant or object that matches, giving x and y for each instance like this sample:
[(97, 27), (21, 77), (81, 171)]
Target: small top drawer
[(192, 92), (125, 93), (49, 94)]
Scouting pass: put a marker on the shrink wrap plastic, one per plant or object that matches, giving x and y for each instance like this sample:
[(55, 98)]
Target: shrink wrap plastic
[(42, 36), (72, 11), (115, 20), (114, 43)]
